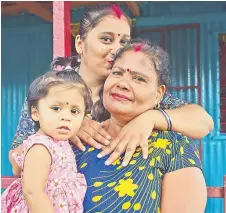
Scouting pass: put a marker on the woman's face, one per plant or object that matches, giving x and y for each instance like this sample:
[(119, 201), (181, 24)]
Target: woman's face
[(132, 87), (101, 43)]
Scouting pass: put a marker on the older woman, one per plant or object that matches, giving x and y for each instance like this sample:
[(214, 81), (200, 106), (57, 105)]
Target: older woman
[(171, 180), (103, 30)]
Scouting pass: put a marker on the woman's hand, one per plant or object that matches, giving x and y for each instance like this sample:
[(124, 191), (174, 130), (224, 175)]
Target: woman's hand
[(15, 167), (92, 133), (134, 134)]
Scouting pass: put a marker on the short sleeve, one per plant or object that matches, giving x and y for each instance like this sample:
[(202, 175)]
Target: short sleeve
[(170, 102), (25, 128), (183, 153), (38, 140)]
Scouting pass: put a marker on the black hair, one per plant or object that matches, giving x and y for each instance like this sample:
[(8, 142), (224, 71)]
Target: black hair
[(91, 18), (158, 57)]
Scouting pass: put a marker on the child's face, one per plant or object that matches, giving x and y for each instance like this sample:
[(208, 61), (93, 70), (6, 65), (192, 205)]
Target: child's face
[(60, 113)]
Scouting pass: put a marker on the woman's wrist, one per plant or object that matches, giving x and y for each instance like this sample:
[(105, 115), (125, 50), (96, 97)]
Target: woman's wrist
[(158, 119)]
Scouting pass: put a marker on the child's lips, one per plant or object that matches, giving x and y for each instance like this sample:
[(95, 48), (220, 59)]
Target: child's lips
[(64, 128)]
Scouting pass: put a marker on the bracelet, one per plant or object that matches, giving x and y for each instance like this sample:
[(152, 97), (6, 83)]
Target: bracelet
[(169, 122)]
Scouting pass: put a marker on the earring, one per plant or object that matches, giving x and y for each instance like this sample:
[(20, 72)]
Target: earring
[(157, 106), (79, 59)]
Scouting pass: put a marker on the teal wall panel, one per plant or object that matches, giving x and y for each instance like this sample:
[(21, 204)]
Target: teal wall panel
[(26, 53)]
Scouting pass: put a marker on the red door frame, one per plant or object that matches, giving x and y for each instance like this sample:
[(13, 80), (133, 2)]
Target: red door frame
[(61, 28)]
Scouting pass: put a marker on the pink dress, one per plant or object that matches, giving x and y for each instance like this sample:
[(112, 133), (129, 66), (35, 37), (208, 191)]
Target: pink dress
[(65, 186)]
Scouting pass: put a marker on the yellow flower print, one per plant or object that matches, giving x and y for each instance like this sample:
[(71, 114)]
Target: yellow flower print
[(97, 184), (83, 165), (96, 198), (111, 184), (182, 150), (153, 195), (126, 187), (137, 206), (90, 149), (154, 134), (150, 176), (141, 168), (117, 162), (128, 174), (126, 205), (161, 143), (191, 161), (132, 162), (152, 162), (136, 154)]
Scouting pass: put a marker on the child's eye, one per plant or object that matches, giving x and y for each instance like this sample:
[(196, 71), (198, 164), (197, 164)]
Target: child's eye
[(75, 111), (56, 108), (106, 40)]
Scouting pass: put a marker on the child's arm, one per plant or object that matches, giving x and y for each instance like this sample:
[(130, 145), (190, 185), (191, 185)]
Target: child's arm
[(36, 170)]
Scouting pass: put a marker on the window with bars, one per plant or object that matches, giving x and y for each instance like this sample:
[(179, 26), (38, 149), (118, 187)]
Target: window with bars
[(222, 67)]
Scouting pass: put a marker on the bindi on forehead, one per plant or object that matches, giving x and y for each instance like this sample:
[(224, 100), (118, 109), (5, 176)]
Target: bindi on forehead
[(128, 70)]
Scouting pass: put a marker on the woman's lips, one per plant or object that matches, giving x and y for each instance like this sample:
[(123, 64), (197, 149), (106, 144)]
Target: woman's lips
[(120, 97)]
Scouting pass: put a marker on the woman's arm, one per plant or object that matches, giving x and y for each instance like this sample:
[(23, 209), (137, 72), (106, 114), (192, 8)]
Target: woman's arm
[(36, 171), (15, 166), (189, 119), (184, 191), (25, 128)]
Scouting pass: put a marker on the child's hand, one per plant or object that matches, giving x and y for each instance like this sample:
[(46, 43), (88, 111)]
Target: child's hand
[(92, 133), (132, 135)]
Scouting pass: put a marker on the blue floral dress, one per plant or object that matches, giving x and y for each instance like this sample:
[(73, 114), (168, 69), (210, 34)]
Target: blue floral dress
[(136, 187)]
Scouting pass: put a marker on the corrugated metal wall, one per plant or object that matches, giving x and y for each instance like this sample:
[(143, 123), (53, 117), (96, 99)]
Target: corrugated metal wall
[(214, 145), (26, 53), (182, 46)]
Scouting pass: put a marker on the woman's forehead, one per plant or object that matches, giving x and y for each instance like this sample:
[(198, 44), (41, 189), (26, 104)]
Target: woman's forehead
[(114, 25)]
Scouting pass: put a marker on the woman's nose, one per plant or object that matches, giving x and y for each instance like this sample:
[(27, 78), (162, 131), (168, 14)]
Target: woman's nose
[(124, 84), (115, 47)]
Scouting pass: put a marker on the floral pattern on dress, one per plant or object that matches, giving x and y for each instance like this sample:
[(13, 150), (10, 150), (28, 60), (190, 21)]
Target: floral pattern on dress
[(65, 186), (136, 187)]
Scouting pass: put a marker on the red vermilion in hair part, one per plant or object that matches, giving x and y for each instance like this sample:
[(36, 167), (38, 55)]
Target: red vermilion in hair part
[(138, 47), (117, 10)]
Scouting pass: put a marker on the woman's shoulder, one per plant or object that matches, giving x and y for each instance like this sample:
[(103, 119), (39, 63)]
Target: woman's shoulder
[(178, 151)]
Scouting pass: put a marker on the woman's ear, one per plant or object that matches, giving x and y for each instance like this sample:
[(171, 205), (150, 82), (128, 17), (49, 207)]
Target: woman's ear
[(160, 93), (79, 45), (34, 113)]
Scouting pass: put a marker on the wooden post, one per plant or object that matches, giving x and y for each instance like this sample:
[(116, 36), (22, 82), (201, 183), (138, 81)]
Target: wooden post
[(61, 28)]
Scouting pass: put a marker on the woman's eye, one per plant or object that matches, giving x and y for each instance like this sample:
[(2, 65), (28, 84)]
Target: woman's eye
[(56, 108), (140, 79), (75, 111), (106, 40), (116, 73), (124, 42)]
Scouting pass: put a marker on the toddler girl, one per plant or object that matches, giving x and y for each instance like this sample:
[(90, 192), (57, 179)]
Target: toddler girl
[(58, 102)]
